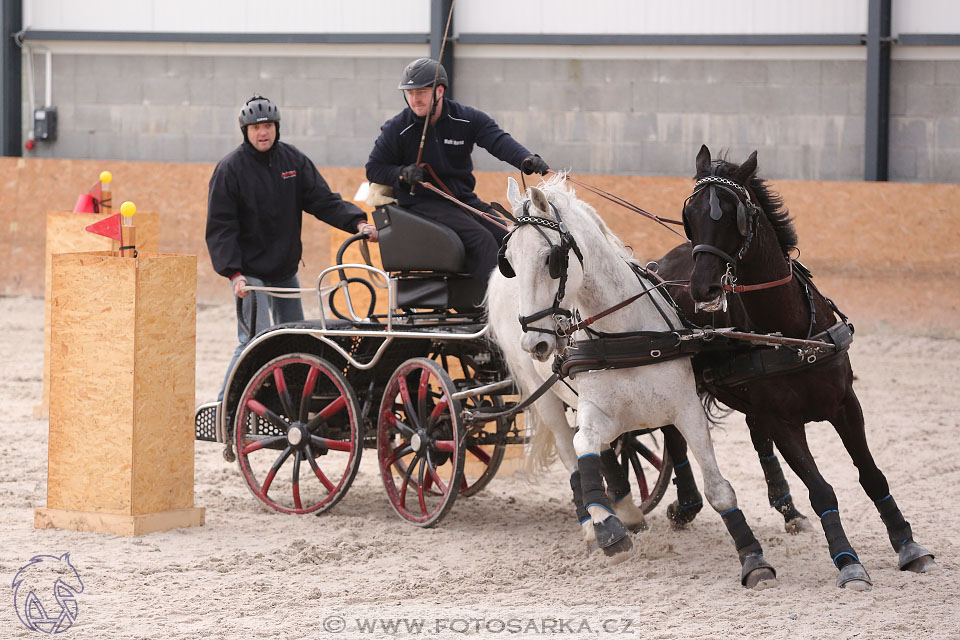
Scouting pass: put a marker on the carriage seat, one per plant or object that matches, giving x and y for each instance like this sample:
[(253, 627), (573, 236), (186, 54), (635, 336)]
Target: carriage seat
[(428, 260)]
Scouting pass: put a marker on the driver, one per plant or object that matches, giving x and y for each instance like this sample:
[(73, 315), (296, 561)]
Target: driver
[(454, 130)]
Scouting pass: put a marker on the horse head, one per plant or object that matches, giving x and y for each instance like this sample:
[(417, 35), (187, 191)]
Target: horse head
[(719, 219), (537, 253)]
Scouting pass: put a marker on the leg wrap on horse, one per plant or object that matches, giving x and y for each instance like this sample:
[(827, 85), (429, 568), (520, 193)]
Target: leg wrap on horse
[(778, 491), (591, 481), (618, 486), (743, 538), (582, 515), (611, 531), (687, 493), (840, 549), (898, 529)]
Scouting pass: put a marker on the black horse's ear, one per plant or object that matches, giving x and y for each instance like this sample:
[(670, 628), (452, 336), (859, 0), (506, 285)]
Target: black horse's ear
[(703, 160), (747, 169)]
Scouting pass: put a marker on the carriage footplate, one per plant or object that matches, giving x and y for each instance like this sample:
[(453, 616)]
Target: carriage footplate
[(205, 422)]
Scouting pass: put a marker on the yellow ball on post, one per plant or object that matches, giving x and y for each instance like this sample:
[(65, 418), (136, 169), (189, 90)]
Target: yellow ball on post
[(106, 177), (127, 209)]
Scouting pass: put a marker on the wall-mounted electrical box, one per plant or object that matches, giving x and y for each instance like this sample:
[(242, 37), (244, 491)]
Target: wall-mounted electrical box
[(45, 123)]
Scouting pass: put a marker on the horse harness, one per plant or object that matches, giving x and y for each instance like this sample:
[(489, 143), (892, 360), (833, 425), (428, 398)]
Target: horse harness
[(639, 348)]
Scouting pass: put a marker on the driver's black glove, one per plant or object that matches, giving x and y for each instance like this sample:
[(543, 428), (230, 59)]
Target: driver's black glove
[(534, 164), (412, 174)]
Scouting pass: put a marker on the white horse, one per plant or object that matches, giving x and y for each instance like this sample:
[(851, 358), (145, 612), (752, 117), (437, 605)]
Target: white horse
[(563, 258)]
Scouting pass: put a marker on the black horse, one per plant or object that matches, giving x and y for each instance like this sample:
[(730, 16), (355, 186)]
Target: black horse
[(741, 238)]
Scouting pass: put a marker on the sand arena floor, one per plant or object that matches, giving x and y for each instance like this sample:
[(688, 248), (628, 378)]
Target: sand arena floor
[(508, 562)]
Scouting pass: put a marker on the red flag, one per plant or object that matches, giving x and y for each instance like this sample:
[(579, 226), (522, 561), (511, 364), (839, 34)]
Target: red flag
[(109, 227), (85, 204)]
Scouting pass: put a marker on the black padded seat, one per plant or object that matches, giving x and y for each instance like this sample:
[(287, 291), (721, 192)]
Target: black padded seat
[(428, 260), (409, 242)]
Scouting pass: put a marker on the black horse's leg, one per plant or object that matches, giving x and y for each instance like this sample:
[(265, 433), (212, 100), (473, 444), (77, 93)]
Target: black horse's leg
[(778, 491), (619, 492), (685, 508), (791, 440), (849, 425)]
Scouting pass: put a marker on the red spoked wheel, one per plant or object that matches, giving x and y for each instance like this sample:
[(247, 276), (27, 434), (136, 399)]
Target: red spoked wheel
[(484, 443), (646, 463), (420, 440), (297, 433)]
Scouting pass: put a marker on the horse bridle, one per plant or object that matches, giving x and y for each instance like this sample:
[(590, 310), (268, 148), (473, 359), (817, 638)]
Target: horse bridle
[(747, 212), (558, 261)]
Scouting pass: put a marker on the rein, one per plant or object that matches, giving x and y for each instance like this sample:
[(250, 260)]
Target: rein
[(625, 204)]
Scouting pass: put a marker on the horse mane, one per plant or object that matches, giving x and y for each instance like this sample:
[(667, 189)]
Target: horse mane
[(565, 197), (769, 200)]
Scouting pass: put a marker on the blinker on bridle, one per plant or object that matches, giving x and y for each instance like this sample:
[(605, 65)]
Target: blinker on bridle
[(558, 261)]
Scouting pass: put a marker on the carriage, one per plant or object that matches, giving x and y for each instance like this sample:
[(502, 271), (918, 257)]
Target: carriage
[(422, 384)]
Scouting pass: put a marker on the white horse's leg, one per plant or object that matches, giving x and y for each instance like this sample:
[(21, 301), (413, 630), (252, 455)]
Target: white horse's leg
[(755, 572), (595, 432)]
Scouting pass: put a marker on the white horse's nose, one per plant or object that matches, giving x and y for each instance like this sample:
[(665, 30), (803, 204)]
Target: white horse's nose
[(539, 345)]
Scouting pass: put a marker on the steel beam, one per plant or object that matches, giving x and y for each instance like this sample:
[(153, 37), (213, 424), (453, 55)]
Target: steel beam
[(11, 60), (877, 134), (439, 10)]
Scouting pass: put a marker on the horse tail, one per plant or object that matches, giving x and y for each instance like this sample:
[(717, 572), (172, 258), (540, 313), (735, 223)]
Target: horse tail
[(712, 408), (541, 449)]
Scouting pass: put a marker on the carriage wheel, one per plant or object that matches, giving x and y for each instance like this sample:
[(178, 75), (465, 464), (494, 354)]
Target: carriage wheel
[(420, 442), (298, 434), (486, 458), (481, 462), (647, 465)]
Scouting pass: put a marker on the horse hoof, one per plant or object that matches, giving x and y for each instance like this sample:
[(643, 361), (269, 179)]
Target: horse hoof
[(756, 573), (800, 524), (609, 532), (618, 551), (682, 515), (915, 558), (855, 578), (761, 579)]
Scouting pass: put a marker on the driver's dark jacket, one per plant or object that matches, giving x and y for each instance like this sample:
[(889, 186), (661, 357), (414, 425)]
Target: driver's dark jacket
[(447, 149), (255, 210)]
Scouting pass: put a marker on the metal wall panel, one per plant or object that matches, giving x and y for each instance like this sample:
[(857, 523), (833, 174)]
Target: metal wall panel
[(229, 16), (656, 17), (926, 16)]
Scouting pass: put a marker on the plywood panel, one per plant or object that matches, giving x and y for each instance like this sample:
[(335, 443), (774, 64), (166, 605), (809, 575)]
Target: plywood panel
[(91, 383), (164, 385)]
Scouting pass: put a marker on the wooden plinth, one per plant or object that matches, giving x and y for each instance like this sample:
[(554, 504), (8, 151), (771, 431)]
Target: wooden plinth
[(122, 378), (118, 524), (66, 234)]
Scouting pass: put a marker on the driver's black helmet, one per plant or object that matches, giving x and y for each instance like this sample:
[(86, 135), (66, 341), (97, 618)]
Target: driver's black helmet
[(258, 109), (420, 73)]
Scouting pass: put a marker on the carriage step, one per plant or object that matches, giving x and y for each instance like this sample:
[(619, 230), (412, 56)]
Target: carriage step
[(205, 422)]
